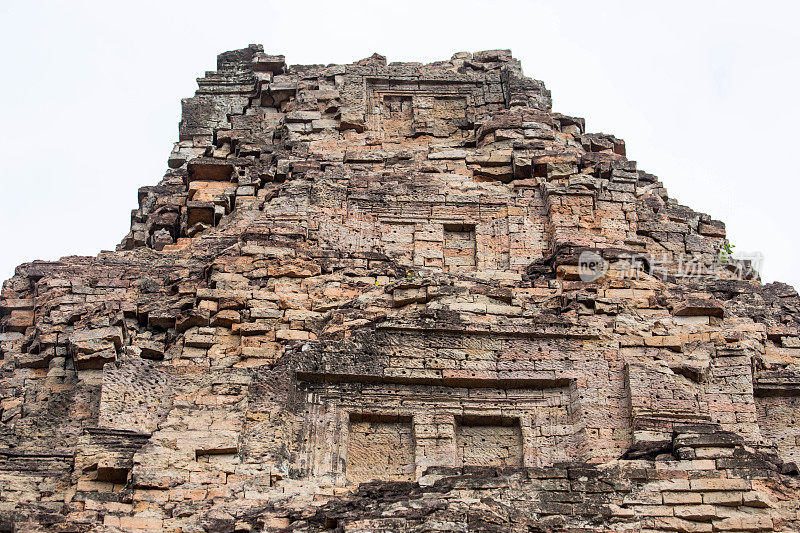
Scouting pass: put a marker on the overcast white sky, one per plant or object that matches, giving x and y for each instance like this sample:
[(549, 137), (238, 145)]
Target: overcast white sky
[(704, 93)]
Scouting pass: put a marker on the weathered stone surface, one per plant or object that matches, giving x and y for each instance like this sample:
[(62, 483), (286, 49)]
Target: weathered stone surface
[(358, 301)]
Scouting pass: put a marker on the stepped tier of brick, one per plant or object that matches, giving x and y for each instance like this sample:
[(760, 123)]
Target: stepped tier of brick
[(356, 302)]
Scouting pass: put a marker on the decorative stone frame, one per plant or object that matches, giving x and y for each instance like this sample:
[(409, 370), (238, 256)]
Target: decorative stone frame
[(544, 413)]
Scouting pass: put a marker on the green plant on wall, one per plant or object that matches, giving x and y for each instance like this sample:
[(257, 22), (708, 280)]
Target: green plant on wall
[(726, 251), (410, 274)]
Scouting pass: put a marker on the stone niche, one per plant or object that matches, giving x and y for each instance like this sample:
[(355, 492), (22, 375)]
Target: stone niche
[(396, 115), (459, 247), (380, 447), (397, 240), (404, 108), (659, 399), (488, 441), (357, 430), (779, 421), (777, 398), (438, 244)]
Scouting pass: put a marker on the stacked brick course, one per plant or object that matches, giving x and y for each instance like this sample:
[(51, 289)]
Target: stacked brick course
[(357, 302)]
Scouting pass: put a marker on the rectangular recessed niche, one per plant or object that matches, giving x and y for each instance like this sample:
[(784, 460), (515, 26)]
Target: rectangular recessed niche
[(450, 114), (380, 447), (397, 105), (488, 441), (397, 241), (459, 247), (779, 421), (396, 115)]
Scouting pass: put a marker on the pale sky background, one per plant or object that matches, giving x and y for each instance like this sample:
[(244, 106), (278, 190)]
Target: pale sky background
[(703, 92)]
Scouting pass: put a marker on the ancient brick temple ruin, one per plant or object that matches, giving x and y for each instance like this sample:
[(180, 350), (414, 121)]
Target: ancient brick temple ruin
[(359, 300)]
